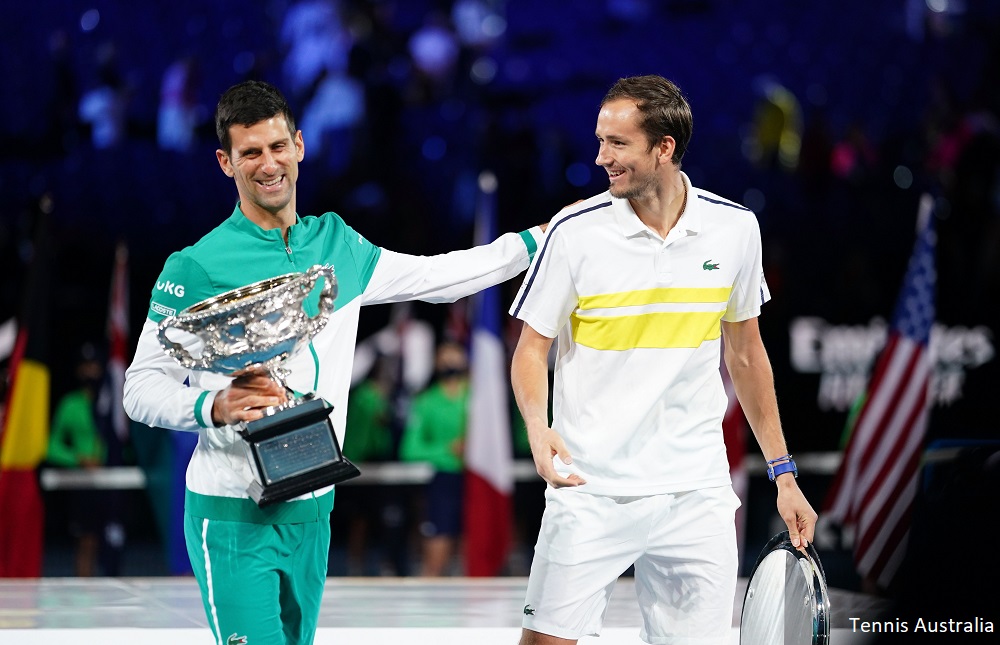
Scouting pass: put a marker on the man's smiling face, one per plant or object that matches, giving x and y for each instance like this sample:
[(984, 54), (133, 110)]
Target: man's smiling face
[(624, 150), (265, 164)]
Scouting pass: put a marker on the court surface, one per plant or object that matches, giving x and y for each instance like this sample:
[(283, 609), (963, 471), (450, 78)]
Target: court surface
[(356, 611)]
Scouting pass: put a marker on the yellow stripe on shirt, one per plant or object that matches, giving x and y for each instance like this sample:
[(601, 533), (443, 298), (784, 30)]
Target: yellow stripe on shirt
[(655, 296), (669, 329)]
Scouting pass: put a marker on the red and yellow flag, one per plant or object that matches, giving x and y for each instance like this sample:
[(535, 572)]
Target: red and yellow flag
[(24, 432)]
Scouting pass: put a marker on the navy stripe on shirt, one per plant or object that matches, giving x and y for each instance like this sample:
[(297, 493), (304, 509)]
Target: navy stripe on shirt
[(541, 254), (723, 203)]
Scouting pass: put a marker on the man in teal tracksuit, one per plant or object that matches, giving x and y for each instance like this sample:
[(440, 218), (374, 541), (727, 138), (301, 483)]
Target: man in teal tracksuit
[(262, 570)]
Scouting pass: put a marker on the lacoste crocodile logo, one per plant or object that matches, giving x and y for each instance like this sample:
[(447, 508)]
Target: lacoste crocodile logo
[(710, 266), (236, 640), (528, 611)]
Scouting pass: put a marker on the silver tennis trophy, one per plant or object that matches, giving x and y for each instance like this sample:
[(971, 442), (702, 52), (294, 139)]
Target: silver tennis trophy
[(786, 601), (293, 449)]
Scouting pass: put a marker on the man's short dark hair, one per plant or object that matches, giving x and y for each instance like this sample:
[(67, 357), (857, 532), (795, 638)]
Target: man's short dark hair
[(248, 103), (664, 110)]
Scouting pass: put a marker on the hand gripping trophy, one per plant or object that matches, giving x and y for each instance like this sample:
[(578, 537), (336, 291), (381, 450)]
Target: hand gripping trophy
[(293, 449)]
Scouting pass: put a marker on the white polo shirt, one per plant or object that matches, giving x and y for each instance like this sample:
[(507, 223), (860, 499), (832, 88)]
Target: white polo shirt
[(638, 395)]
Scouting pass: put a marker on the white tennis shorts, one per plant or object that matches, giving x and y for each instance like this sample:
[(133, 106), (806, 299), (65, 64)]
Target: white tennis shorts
[(683, 546)]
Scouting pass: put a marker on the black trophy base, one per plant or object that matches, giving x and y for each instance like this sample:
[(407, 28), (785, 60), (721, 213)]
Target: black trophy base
[(291, 488), (294, 452)]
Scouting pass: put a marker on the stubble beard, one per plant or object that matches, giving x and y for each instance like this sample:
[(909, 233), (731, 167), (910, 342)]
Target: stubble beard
[(637, 191), (275, 202)]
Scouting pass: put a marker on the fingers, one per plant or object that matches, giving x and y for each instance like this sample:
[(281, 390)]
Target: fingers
[(798, 515), (254, 388), (258, 382), (793, 535), (807, 527), (231, 410), (547, 471), (245, 399), (256, 404), (548, 445), (559, 449), (566, 482), (802, 527), (247, 415)]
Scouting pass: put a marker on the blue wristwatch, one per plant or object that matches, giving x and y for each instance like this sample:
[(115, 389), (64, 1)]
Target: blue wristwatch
[(780, 469)]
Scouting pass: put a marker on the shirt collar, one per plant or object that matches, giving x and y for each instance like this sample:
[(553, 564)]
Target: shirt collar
[(245, 224), (631, 225)]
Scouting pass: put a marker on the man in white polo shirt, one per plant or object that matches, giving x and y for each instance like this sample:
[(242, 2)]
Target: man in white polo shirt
[(641, 284)]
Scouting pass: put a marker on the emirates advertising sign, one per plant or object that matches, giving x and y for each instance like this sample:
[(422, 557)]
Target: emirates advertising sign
[(843, 356)]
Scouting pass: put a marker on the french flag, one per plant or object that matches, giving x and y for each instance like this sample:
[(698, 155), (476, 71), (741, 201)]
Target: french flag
[(489, 475)]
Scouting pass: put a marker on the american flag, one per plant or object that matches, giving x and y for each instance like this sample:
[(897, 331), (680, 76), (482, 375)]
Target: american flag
[(877, 481)]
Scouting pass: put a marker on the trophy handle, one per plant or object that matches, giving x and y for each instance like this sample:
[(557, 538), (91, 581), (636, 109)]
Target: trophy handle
[(326, 297), (175, 350)]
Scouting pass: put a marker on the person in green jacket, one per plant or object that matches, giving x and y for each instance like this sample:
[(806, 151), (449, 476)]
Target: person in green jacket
[(75, 442), (368, 438), (435, 433)]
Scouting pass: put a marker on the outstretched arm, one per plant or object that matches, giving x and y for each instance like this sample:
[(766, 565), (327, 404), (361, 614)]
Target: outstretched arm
[(529, 374), (753, 379), (447, 277)]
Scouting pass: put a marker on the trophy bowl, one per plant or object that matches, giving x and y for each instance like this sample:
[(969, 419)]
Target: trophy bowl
[(257, 326), (293, 449)]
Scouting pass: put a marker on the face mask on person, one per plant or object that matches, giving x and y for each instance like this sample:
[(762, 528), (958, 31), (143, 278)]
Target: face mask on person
[(450, 372)]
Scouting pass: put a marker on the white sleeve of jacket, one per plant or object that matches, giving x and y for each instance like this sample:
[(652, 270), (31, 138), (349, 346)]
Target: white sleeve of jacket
[(447, 277), (155, 393)]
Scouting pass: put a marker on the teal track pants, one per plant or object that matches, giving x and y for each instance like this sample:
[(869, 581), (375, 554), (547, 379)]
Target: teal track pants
[(261, 584)]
